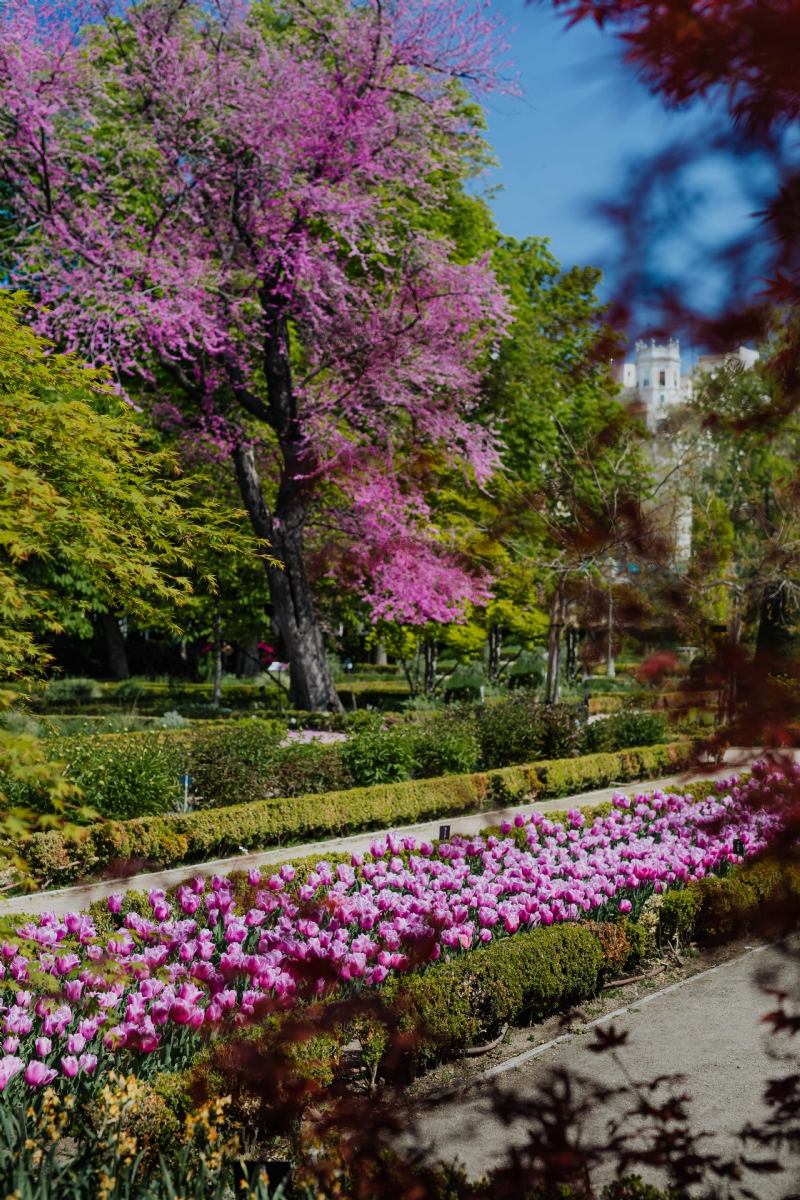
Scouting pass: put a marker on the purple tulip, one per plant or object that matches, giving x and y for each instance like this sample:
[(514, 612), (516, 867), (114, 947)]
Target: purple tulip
[(69, 1066), (87, 1063), (625, 906), (254, 877), (115, 902), (43, 1046)]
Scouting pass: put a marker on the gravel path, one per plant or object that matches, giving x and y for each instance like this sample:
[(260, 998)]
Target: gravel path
[(706, 1029)]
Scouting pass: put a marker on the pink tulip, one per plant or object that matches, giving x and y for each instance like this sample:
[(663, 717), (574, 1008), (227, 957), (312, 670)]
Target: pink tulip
[(180, 1012), (37, 1074), (43, 1046), (87, 1063), (254, 877), (115, 902), (69, 1066), (9, 1067)]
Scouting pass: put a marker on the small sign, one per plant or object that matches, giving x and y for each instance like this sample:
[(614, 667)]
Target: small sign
[(738, 846), (444, 833), (186, 783)]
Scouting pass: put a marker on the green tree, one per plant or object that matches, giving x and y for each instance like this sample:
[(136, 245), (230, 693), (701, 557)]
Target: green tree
[(571, 506), (745, 566), (79, 492)]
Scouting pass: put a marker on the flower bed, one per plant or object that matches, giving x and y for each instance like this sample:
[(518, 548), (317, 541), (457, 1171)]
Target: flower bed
[(169, 841), (143, 986)]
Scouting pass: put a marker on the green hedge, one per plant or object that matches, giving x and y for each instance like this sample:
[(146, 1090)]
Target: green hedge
[(762, 895), (462, 1003), (171, 840)]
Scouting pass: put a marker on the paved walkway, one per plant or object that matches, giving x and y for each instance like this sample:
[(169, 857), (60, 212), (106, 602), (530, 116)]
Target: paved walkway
[(65, 900), (707, 1029)]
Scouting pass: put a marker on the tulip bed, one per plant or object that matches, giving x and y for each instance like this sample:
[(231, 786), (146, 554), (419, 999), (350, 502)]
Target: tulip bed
[(78, 999)]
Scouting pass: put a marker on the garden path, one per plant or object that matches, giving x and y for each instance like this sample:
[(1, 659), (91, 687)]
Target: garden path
[(707, 1029), (74, 899)]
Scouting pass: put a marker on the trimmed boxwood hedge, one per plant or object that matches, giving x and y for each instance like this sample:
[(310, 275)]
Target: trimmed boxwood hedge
[(762, 895), (174, 839), (458, 1004)]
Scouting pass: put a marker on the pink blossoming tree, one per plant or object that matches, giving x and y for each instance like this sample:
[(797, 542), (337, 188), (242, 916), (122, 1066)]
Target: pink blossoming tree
[(231, 204)]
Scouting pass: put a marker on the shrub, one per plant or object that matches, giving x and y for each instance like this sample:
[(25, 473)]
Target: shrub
[(124, 777), (517, 729), (199, 836), (679, 914), (374, 756), (232, 762), (303, 768), (759, 893), (457, 1004), (65, 691), (443, 747), (625, 729), (614, 945)]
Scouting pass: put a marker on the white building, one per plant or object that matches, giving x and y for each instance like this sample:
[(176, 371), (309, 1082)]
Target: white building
[(654, 381), (652, 386)]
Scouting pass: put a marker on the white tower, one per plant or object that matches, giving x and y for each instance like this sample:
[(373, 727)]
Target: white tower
[(658, 379)]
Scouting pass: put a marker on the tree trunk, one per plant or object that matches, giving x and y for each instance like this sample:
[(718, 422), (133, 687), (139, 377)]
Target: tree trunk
[(735, 634), (554, 642), (115, 647), (379, 655), (572, 652), (495, 646), (430, 666), (311, 683), (774, 642), (216, 695), (247, 660), (611, 672)]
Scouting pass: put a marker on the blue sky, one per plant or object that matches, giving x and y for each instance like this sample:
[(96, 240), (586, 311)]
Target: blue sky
[(568, 141)]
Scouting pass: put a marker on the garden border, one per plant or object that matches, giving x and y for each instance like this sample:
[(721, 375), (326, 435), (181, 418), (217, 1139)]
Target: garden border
[(189, 838)]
